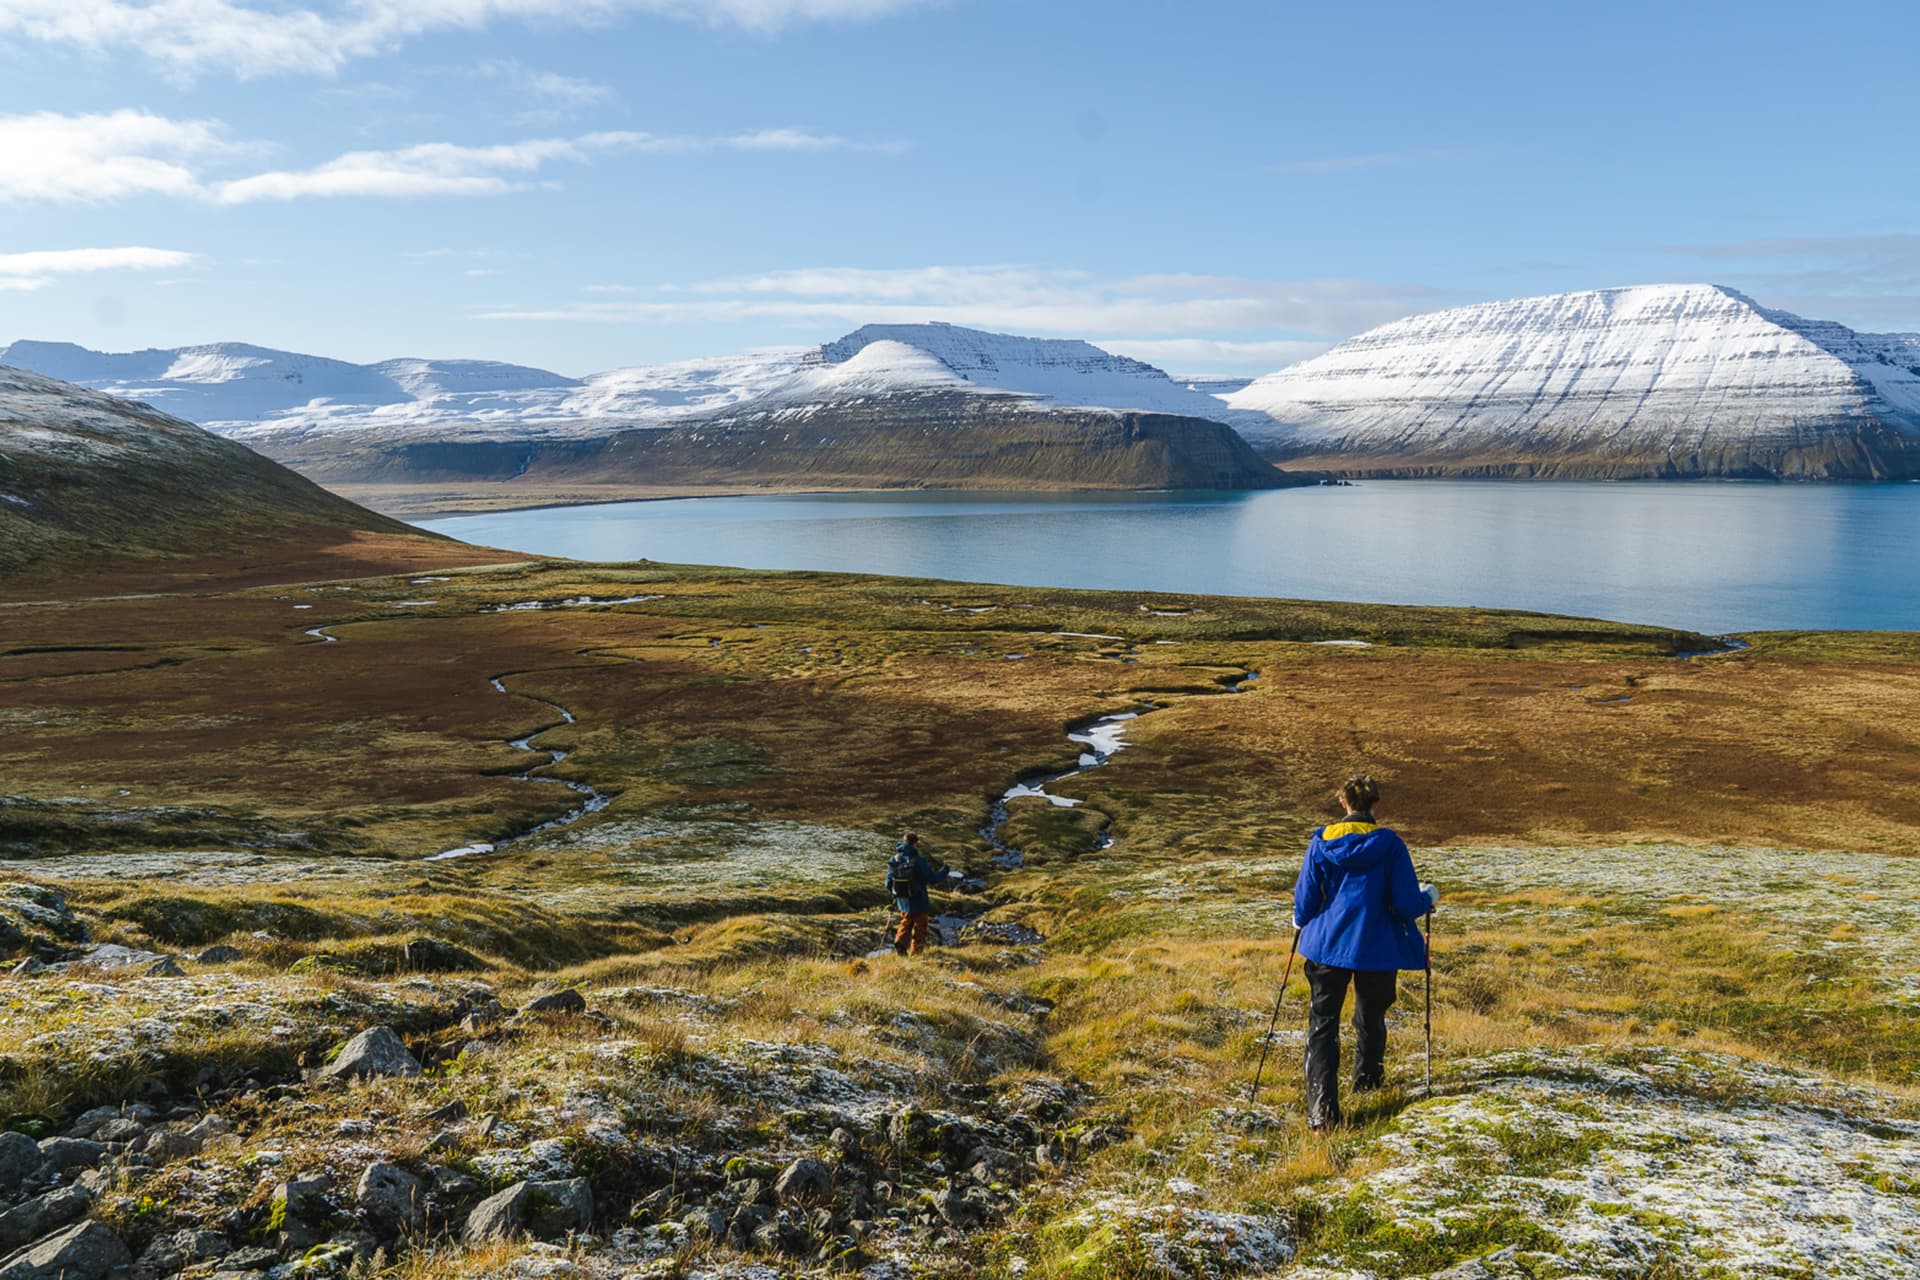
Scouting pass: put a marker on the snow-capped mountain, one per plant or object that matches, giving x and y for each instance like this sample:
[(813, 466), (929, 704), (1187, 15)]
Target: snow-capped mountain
[(1058, 371), (257, 393), (1650, 380)]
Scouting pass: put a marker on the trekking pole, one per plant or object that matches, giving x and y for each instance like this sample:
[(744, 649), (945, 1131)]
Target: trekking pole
[(1429, 1002), (1267, 1042)]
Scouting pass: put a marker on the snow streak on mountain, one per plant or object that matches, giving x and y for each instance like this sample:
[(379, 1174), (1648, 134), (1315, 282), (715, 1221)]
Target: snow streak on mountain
[(1651, 380)]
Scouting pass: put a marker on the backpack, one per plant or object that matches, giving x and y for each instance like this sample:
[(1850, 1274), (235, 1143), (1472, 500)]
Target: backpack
[(903, 874)]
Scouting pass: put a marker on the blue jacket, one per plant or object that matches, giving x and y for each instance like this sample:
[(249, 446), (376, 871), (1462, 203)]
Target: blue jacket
[(924, 874), (1357, 900)]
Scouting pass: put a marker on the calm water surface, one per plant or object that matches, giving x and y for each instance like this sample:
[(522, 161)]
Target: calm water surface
[(1711, 557)]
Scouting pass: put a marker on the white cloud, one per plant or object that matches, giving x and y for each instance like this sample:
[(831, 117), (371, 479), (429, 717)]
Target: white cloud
[(260, 37), (50, 157), (430, 169), (1200, 355), (24, 272), (45, 156), (1225, 310)]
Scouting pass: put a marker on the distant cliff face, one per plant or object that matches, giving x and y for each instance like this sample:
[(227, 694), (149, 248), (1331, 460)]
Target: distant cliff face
[(1655, 381), (85, 475), (925, 439)]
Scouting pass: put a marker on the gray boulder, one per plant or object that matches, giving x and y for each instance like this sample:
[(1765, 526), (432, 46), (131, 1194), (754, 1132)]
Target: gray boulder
[(89, 1251), (567, 1001), (168, 1144), (165, 967), (19, 1157), (119, 1129), (299, 1207), (806, 1179), (393, 1200), (33, 1218), (221, 954), (27, 968), (62, 1154), (548, 1210), (377, 1051), (172, 1253)]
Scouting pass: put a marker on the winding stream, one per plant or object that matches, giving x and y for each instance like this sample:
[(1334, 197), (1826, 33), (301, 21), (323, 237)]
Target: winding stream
[(595, 801), (1100, 740)]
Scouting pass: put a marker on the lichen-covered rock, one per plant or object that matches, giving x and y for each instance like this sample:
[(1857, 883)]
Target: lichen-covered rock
[(377, 1051), (548, 1210), (806, 1179), (392, 1199), (89, 1251)]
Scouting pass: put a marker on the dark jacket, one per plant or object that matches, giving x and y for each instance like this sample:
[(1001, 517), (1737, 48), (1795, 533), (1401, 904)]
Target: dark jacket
[(1357, 900), (924, 874)]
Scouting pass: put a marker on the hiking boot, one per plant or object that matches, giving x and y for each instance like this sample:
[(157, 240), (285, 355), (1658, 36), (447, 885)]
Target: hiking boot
[(899, 946)]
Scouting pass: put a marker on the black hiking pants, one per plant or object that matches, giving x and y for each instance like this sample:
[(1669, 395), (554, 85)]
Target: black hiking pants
[(1373, 995)]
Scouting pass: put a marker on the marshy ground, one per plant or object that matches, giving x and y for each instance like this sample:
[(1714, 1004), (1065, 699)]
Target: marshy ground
[(1677, 1004)]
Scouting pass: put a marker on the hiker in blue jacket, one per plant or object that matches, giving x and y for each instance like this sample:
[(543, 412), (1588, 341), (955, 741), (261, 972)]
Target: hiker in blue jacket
[(909, 877), (1357, 905)]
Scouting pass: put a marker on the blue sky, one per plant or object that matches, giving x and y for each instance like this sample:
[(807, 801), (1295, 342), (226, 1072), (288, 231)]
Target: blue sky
[(584, 184)]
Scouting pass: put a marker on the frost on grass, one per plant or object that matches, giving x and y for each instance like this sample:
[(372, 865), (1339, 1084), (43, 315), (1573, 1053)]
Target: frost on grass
[(1587, 1163), (1126, 1235), (703, 856), (1858, 908)]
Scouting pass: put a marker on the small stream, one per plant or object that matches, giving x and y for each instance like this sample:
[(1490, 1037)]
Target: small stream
[(1099, 740), (595, 801)]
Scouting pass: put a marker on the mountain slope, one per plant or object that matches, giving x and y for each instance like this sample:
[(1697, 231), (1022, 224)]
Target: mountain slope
[(87, 477), (1659, 380)]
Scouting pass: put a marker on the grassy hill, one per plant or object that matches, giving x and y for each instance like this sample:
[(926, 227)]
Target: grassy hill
[(90, 483)]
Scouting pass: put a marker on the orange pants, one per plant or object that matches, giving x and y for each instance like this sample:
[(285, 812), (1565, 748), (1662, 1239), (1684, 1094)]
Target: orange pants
[(912, 932)]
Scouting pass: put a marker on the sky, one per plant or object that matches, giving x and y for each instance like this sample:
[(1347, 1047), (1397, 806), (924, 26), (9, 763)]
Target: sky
[(1215, 187)]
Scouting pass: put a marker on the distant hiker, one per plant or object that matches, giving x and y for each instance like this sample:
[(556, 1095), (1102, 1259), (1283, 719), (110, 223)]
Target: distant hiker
[(909, 876), (1357, 905)]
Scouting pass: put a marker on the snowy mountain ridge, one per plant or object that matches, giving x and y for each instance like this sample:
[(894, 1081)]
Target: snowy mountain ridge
[(1645, 380)]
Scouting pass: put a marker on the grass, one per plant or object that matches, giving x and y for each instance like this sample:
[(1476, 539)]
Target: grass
[(1618, 875)]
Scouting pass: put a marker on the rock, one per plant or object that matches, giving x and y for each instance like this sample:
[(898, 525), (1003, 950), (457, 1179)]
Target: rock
[(89, 1122), (34, 1218), (710, 1224), (452, 1113), (846, 1142), (167, 1144), (253, 1258), (966, 1210), (19, 1157), (89, 1251), (120, 1129), (209, 1127), (27, 968), (169, 1254), (393, 1199), (165, 967), (1050, 1155), (62, 1154), (1478, 1268), (221, 954), (548, 1210), (377, 1051), (806, 1179), (431, 955), (299, 1206), (747, 1221), (451, 1182), (567, 1001)]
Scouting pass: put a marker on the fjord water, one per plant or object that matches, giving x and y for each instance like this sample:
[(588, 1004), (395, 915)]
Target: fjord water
[(1708, 557)]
